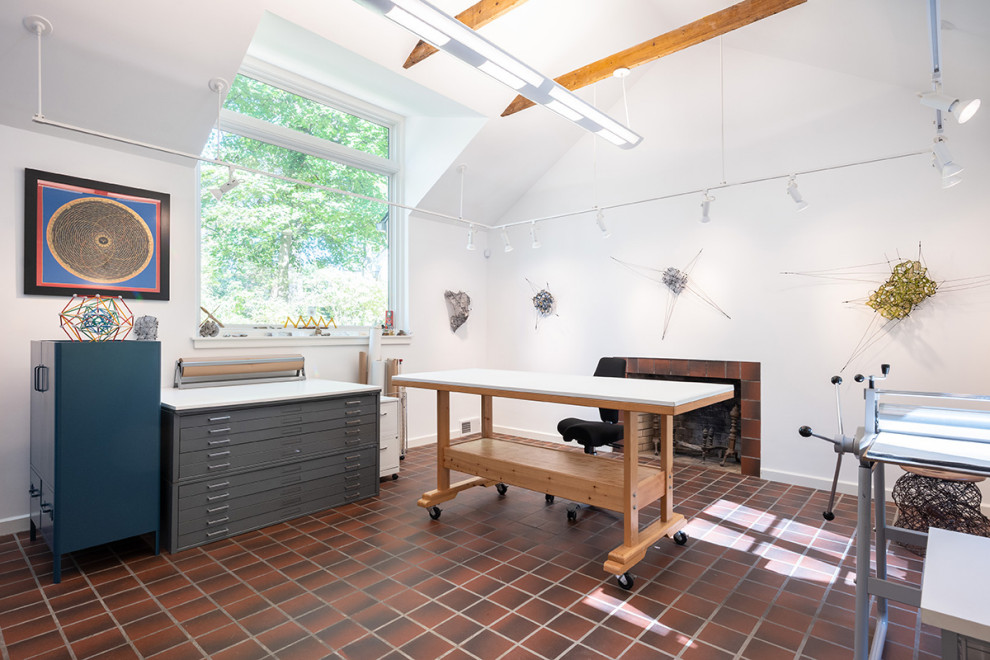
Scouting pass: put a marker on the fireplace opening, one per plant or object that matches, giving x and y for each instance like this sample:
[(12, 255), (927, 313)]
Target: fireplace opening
[(726, 434)]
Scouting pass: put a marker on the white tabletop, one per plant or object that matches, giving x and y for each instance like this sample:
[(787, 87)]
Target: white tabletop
[(235, 395), (955, 584), (642, 391)]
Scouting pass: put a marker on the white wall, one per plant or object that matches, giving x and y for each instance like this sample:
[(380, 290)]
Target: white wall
[(437, 261), (797, 328)]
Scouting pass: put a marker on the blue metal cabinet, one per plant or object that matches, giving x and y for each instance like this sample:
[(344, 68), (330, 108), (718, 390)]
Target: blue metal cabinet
[(95, 443)]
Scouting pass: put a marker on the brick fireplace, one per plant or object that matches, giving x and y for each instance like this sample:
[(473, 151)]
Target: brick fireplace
[(743, 376)]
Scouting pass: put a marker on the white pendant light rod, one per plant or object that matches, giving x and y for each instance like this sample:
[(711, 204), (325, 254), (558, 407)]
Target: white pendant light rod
[(453, 37), (568, 214)]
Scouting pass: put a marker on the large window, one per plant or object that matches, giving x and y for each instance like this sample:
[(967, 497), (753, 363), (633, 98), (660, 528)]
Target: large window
[(273, 248)]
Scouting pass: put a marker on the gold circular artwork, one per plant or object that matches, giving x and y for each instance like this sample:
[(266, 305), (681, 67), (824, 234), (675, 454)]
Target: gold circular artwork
[(100, 240)]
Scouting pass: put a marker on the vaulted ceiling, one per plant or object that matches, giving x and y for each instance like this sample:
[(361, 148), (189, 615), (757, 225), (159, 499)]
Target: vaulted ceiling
[(140, 69)]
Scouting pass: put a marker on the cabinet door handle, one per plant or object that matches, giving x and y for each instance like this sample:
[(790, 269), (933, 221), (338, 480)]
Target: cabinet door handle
[(218, 454), (219, 419), (41, 378), (219, 531), (34, 492), (223, 430), (218, 466), (222, 441)]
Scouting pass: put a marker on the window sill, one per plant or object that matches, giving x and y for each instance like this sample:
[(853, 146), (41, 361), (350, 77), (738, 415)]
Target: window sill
[(310, 340)]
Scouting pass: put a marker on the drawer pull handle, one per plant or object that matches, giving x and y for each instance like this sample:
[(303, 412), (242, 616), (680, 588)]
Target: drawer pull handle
[(351, 496), (352, 422), (218, 520), (352, 477), (352, 486), (219, 531), (218, 466), (351, 458), (384, 412), (218, 508), (353, 432), (219, 419), (352, 412), (353, 403), (219, 485), (218, 454), (223, 430), (355, 441), (210, 498), (352, 466), (218, 442)]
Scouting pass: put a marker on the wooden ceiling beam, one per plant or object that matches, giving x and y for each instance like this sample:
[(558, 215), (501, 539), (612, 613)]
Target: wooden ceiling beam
[(709, 27), (477, 15)]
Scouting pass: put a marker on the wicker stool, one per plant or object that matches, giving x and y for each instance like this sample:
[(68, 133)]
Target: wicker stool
[(937, 498)]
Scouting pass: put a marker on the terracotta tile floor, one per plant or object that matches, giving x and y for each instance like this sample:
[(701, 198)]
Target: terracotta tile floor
[(761, 577)]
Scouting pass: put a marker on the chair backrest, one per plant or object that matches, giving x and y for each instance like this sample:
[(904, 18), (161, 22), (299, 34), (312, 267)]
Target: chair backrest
[(610, 367)]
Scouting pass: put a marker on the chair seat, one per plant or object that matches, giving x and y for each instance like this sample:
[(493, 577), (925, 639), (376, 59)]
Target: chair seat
[(590, 434)]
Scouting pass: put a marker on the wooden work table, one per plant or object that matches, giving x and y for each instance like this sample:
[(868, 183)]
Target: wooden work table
[(624, 486)]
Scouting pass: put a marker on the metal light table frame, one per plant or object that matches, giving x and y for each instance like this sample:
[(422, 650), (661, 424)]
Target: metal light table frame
[(949, 432)]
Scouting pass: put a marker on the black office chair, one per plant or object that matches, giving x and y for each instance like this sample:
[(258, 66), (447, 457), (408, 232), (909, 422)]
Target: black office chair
[(597, 434)]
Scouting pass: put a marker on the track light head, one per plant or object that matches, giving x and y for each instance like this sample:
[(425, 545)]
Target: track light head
[(470, 243), (225, 188), (600, 219), (963, 111), (706, 203), (792, 190), (505, 240), (942, 161), (533, 237)]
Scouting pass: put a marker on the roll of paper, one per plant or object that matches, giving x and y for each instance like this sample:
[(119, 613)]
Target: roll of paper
[(376, 374)]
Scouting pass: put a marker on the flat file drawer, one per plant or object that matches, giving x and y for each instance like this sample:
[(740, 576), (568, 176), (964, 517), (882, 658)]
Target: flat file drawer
[(239, 415), (230, 528), (243, 456), (212, 492), (323, 416), (225, 436)]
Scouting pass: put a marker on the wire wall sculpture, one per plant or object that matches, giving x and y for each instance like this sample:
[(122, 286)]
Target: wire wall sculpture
[(96, 318), (676, 281), (907, 285), (544, 303), (458, 308)]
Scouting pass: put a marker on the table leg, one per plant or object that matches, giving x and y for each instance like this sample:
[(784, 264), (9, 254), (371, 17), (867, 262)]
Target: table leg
[(667, 463), (443, 439), (630, 484), (487, 426)]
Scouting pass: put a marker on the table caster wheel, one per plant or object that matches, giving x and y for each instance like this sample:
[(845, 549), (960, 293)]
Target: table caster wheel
[(572, 513), (549, 499), (501, 488), (680, 538), (435, 512), (625, 581)]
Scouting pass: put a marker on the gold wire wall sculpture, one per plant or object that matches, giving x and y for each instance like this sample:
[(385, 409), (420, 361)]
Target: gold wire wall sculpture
[(96, 318), (907, 285)]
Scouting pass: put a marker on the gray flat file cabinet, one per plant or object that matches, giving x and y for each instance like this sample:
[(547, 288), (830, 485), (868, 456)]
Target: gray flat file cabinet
[(231, 469), (94, 443)]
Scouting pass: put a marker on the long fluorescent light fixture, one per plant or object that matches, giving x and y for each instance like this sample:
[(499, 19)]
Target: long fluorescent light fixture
[(450, 35)]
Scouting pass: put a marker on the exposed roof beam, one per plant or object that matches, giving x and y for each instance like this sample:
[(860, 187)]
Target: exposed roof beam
[(713, 25), (477, 15)]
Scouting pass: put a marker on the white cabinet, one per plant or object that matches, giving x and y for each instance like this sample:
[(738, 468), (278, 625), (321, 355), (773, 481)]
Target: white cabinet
[(389, 450)]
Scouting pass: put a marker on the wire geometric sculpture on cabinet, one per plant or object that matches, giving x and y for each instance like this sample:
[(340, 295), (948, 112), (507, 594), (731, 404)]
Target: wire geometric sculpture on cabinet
[(677, 281), (96, 318)]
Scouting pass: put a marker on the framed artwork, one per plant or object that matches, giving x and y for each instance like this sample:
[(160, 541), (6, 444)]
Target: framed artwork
[(88, 237)]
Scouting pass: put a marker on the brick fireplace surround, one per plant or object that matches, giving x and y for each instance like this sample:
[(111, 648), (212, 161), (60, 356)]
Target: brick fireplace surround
[(745, 374)]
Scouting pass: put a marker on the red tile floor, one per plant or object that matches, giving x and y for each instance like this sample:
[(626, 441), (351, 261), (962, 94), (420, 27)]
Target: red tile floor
[(761, 577)]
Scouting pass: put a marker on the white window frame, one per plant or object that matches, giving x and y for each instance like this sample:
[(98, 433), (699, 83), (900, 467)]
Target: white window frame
[(250, 127)]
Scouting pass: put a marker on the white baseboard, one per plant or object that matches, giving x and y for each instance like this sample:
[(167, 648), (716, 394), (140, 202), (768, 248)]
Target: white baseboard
[(15, 525)]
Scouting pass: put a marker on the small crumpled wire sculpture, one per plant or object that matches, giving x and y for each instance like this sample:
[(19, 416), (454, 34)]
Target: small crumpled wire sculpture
[(458, 307), (96, 318), (677, 281), (543, 302)]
